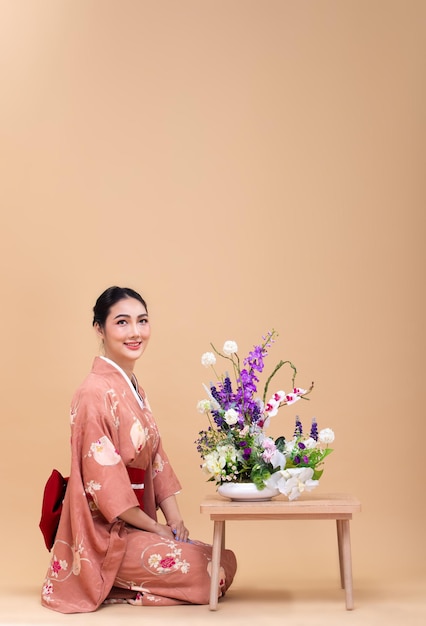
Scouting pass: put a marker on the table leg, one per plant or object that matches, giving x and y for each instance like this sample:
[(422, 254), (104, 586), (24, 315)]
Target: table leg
[(339, 545), (218, 535), (347, 563)]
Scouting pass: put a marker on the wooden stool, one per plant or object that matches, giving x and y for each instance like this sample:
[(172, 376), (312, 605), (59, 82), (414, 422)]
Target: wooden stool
[(339, 507)]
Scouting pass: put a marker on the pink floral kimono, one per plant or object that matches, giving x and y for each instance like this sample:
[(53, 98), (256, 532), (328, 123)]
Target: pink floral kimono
[(97, 558)]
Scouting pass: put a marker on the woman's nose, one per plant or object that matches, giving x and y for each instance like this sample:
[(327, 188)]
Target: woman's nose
[(134, 330)]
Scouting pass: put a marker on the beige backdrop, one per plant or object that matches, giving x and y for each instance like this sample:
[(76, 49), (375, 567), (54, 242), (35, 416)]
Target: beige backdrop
[(245, 165)]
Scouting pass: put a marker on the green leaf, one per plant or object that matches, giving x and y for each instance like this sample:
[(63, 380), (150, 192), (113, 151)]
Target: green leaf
[(259, 474), (280, 443)]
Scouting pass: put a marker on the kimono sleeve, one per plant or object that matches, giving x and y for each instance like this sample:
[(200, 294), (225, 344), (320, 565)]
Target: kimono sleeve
[(165, 481), (104, 473)]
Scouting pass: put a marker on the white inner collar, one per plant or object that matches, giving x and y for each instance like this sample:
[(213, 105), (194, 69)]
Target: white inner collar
[(129, 382)]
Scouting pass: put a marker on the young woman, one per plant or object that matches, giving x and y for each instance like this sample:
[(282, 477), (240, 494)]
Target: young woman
[(110, 546)]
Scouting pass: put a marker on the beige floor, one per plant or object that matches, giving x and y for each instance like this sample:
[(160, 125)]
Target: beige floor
[(312, 604)]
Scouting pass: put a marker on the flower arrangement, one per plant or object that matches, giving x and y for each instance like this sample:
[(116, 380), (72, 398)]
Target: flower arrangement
[(235, 446)]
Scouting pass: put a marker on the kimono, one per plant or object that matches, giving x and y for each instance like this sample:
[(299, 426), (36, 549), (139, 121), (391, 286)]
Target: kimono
[(97, 558)]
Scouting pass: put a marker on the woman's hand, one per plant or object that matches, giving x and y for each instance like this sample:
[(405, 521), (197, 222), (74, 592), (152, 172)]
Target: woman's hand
[(179, 530), (174, 519), (139, 519), (164, 531)]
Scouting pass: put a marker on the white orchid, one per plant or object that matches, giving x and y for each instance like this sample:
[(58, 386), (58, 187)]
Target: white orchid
[(295, 395), (274, 403), (271, 407), (293, 482)]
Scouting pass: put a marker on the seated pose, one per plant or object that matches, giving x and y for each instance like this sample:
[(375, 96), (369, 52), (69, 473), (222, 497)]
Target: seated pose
[(109, 546)]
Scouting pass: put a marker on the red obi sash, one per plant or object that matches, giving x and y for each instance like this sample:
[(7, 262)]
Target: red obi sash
[(54, 493), (137, 478)]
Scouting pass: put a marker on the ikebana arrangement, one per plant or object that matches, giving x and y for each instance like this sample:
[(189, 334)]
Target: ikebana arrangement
[(235, 447)]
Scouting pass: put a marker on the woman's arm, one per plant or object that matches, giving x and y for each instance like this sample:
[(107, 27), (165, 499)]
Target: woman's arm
[(137, 518), (170, 509)]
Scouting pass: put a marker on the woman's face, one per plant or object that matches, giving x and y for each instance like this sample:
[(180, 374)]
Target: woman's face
[(126, 333)]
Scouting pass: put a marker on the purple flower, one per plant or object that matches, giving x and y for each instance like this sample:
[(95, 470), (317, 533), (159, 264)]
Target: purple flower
[(227, 386), (218, 419), (301, 445), (215, 393), (298, 431), (255, 358), (296, 460), (256, 413), (247, 379), (246, 453), (314, 429), (305, 459)]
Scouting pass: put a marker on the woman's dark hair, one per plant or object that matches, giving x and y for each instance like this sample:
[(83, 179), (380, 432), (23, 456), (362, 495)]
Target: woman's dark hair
[(108, 298)]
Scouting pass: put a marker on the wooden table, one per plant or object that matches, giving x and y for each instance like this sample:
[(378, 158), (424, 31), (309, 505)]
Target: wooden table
[(339, 507)]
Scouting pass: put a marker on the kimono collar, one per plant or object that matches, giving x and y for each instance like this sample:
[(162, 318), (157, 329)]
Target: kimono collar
[(129, 382)]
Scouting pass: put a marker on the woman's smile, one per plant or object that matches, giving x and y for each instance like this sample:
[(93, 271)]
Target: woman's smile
[(133, 345)]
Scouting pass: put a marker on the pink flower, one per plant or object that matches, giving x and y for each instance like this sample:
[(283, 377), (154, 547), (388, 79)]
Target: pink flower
[(56, 566), (271, 408), (269, 449), (267, 455), (291, 398), (268, 444), (279, 396), (48, 588), (274, 403), (168, 562)]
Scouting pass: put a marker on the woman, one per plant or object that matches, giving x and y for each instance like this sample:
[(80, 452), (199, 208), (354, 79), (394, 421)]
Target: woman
[(110, 547)]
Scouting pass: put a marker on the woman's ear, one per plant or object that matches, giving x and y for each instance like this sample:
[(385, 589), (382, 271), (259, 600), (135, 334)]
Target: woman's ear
[(99, 330)]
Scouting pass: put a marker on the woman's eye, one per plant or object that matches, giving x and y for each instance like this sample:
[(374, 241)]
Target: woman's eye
[(121, 322)]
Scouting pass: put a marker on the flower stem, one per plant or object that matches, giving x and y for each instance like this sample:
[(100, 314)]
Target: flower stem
[(280, 364)]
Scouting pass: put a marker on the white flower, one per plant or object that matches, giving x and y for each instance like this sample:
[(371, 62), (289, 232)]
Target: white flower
[(289, 446), (309, 443), (212, 464), (279, 396), (291, 398), (230, 347), (295, 395), (326, 435), (278, 459), (271, 407), (208, 358), (299, 391), (91, 487), (216, 461), (293, 481), (231, 417), (203, 406), (226, 453)]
